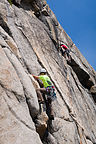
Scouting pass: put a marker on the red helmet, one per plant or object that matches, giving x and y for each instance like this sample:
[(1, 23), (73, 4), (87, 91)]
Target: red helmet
[(64, 46)]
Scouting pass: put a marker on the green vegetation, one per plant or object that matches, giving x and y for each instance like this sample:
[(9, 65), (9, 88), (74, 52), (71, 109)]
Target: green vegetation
[(10, 1)]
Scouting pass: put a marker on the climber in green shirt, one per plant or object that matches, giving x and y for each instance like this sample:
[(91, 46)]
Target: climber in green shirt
[(46, 88)]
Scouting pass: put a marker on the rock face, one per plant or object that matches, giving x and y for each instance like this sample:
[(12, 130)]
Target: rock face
[(29, 36)]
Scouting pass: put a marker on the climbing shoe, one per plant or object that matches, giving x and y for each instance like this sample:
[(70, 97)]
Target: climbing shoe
[(51, 117), (41, 102)]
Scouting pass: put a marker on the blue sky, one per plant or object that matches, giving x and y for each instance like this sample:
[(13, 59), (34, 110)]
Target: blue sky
[(78, 18)]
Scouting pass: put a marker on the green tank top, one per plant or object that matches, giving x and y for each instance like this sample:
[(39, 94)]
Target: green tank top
[(45, 80)]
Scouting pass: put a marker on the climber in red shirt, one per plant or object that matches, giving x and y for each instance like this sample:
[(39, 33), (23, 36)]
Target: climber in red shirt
[(65, 51)]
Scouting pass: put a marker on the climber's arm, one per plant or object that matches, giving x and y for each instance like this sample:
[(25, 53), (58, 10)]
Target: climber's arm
[(36, 77)]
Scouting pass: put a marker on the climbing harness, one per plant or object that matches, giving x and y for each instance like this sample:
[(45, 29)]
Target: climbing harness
[(51, 93)]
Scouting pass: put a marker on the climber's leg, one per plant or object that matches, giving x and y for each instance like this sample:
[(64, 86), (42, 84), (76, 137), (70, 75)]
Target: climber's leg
[(64, 54), (68, 55), (39, 92), (50, 109)]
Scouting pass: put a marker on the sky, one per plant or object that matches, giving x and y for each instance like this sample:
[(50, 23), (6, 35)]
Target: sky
[(78, 18)]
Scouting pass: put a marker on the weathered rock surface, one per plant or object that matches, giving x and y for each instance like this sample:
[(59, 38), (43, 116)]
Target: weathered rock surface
[(29, 34)]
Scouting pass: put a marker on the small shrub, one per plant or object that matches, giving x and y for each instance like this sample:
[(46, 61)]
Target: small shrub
[(10, 1)]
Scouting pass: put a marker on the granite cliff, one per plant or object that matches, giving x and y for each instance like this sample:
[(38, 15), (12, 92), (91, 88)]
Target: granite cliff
[(29, 35)]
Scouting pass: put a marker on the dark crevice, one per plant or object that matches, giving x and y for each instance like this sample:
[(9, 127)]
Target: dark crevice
[(30, 5), (88, 138), (82, 75), (15, 3), (76, 83), (94, 97), (4, 25)]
